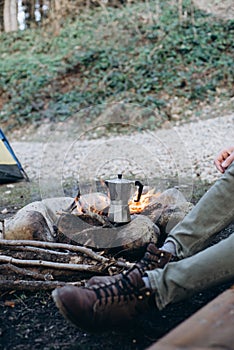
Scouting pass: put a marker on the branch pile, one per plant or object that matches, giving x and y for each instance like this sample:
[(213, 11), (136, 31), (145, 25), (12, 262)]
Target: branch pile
[(38, 265)]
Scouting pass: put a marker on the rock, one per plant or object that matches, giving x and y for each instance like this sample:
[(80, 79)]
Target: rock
[(168, 210), (36, 220), (31, 225), (170, 216), (171, 196)]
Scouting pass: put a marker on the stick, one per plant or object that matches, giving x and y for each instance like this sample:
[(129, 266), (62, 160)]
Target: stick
[(26, 272), (51, 245), (42, 250), (75, 202), (34, 285), (3, 227), (60, 266), (73, 248), (42, 263)]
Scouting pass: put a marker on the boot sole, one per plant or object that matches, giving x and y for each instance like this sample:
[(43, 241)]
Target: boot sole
[(61, 307)]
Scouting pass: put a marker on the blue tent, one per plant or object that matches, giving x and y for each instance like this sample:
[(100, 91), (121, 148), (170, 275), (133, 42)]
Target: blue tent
[(10, 168)]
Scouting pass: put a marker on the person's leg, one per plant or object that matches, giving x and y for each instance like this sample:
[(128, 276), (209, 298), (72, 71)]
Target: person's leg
[(179, 280), (117, 301), (213, 212)]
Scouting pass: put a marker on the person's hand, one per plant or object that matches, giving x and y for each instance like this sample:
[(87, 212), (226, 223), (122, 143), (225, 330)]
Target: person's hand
[(224, 159)]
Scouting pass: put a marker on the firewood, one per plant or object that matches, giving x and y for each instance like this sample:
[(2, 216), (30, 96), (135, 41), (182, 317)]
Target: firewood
[(49, 264), (49, 274), (31, 253), (9, 285), (51, 245), (26, 272)]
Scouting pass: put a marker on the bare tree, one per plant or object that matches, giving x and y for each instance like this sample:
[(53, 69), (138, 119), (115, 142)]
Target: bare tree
[(180, 10), (1, 15), (10, 15)]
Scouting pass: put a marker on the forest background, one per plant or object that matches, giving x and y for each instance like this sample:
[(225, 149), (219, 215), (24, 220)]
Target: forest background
[(170, 57)]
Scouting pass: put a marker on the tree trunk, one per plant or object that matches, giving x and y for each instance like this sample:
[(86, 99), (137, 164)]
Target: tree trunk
[(180, 10), (10, 16), (1, 15)]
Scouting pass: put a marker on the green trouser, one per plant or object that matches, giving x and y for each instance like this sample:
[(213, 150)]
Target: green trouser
[(200, 267)]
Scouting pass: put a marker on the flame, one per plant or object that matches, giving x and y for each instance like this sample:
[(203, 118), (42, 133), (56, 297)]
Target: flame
[(145, 200), (79, 208), (97, 203), (92, 202)]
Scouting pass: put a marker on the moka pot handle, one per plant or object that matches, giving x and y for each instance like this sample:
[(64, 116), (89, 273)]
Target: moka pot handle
[(140, 189)]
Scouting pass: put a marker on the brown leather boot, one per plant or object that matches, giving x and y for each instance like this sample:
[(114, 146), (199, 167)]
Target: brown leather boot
[(154, 258), (102, 307)]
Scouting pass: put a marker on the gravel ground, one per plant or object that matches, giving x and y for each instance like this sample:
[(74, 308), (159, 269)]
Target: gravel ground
[(185, 152)]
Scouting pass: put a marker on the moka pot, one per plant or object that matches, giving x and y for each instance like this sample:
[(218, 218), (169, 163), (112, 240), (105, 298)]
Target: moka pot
[(120, 191)]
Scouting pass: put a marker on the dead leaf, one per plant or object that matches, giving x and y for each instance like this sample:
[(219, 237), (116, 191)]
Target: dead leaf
[(9, 303)]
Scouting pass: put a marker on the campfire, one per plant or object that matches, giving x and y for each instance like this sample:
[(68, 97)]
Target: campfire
[(99, 202), (119, 204), (85, 241)]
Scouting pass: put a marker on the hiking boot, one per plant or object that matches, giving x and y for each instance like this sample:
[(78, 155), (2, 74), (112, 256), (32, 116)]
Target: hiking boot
[(154, 258), (102, 307)]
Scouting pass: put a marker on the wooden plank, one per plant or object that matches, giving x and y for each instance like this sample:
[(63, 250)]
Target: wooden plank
[(210, 327), (172, 347)]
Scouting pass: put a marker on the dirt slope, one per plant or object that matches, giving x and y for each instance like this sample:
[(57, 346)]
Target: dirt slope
[(221, 8)]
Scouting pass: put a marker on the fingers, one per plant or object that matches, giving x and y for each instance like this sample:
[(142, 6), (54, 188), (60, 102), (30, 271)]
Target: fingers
[(219, 166), (220, 159), (224, 159), (228, 161)]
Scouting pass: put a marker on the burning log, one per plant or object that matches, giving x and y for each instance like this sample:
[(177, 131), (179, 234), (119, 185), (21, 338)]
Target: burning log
[(103, 220), (133, 236), (92, 202)]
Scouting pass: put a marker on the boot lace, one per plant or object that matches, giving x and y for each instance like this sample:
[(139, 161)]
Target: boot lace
[(123, 289)]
